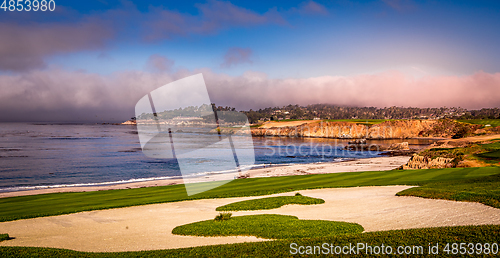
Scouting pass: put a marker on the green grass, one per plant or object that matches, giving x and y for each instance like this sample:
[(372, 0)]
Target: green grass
[(20, 207), (4, 237), (269, 203), (281, 248), (484, 190), (492, 122), (269, 226), (288, 120), (360, 121)]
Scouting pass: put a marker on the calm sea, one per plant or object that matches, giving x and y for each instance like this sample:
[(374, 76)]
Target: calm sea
[(49, 155)]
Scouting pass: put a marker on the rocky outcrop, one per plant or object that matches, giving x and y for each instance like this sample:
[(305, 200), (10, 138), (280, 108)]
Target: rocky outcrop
[(129, 122), (398, 129), (399, 146), (422, 162)]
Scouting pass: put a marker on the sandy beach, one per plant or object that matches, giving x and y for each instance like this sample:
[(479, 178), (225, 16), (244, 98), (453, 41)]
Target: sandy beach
[(149, 227), (369, 164)]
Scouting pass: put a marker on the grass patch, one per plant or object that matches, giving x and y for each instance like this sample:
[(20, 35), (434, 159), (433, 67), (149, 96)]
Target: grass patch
[(289, 120), (281, 248), (4, 237), (485, 190), (269, 203), (492, 122), (269, 226), (21, 207)]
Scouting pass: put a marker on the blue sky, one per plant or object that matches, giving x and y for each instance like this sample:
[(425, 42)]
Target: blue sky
[(273, 42)]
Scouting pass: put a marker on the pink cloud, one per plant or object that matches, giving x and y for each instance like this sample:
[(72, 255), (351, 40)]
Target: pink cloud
[(390, 88), (159, 63), (235, 56)]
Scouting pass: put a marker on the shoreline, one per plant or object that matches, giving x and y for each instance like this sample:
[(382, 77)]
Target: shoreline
[(357, 165)]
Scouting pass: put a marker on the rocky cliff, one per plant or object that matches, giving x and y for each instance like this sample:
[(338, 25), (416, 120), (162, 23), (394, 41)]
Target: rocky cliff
[(347, 130)]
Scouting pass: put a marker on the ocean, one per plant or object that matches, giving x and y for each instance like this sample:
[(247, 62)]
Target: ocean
[(37, 155)]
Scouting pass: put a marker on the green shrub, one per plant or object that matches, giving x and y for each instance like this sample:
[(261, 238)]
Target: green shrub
[(461, 131), (298, 194), (223, 216), (269, 226), (4, 237)]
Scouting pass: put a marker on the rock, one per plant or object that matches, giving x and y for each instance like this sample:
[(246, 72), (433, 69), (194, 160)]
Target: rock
[(129, 122), (399, 146), (363, 147), (421, 162), (392, 153), (358, 141)]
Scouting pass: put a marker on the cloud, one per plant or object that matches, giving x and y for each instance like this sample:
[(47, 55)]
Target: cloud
[(60, 95), (214, 16), (224, 13), (159, 63), (24, 47), (235, 56), (400, 5), (312, 7)]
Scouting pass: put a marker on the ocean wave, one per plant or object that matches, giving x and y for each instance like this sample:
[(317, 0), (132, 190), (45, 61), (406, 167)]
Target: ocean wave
[(190, 176)]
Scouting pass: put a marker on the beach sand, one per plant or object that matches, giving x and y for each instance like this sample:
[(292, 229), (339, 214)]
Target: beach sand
[(149, 227), (369, 164)]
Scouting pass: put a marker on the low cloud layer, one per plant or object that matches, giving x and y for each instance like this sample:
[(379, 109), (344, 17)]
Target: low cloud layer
[(59, 95), (393, 88)]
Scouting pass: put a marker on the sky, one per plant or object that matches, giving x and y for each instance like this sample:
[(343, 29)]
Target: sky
[(93, 60)]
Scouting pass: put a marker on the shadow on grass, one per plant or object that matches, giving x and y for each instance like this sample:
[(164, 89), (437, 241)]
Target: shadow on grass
[(269, 203), (4, 237), (485, 190)]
